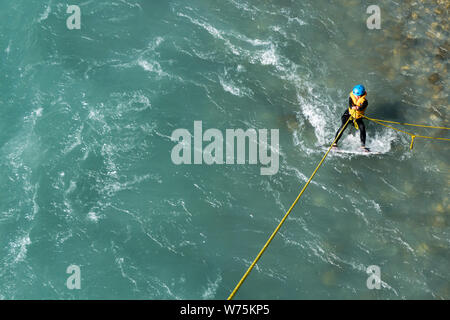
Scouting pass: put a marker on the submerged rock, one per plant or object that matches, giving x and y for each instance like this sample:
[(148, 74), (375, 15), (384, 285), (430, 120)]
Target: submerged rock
[(329, 278), (292, 124), (320, 200), (433, 78), (422, 249), (434, 117), (438, 11), (409, 188), (438, 221), (405, 68), (438, 208), (442, 53)]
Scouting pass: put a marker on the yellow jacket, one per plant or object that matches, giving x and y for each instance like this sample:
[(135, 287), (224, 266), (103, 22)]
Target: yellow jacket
[(357, 114)]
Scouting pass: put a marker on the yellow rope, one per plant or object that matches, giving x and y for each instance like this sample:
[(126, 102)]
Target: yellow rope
[(407, 124), (284, 218), (413, 136)]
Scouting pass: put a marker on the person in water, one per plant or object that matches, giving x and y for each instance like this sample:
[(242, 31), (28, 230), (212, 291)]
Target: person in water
[(357, 105)]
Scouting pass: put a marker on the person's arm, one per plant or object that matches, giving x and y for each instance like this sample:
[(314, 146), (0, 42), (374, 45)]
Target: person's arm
[(364, 106)]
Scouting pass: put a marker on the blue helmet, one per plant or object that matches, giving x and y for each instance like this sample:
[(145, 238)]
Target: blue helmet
[(359, 90)]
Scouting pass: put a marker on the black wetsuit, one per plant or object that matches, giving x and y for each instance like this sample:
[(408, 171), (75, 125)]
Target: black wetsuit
[(362, 128)]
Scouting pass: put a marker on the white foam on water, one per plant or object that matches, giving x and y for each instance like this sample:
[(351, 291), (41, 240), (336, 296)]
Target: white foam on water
[(230, 86), (8, 48), (269, 57), (108, 152), (18, 248), (30, 216), (242, 5), (264, 56), (76, 140), (35, 114), (215, 33), (46, 13), (151, 66), (93, 216), (317, 119), (211, 288), (297, 20)]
